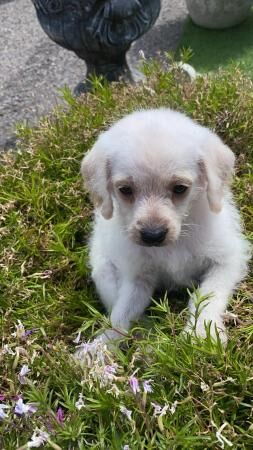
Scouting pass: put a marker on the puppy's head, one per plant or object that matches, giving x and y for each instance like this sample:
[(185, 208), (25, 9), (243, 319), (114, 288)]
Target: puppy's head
[(152, 168)]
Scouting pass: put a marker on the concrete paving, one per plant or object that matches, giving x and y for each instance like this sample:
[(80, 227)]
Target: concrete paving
[(33, 68)]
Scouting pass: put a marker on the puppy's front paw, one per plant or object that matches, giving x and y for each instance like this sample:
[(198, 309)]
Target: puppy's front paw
[(204, 326), (110, 339)]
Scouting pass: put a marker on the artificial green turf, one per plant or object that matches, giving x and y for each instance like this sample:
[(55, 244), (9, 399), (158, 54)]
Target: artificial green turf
[(217, 48), (45, 221)]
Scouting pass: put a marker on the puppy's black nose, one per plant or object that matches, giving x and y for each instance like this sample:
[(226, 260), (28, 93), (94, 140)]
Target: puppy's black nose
[(153, 236)]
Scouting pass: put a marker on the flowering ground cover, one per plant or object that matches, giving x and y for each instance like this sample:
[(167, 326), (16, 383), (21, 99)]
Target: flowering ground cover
[(161, 389)]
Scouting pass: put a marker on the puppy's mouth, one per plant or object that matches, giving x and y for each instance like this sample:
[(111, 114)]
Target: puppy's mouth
[(157, 244)]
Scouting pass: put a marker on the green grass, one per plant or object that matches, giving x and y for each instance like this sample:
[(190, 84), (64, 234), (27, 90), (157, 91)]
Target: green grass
[(45, 283), (217, 48)]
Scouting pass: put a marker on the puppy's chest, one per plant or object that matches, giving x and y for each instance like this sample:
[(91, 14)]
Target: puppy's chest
[(178, 266)]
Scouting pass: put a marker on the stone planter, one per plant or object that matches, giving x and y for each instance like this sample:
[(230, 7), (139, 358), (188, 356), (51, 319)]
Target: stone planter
[(99, 31), (218, 13)]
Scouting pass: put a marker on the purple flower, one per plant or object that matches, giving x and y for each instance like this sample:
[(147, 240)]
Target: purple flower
[(60, 415), (24, 408), (134, 384), (80, 402), (3, 415), (108, 374), (20, 331), (87, 352), (78, 337), (158, 410), (38, 438), (29, 332), (7, 350), (22, 374), (2, 397), (147, 386), (126, 412), (110, 370)]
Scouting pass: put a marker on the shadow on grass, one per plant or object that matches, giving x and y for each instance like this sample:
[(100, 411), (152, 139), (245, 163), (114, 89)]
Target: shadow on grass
[(215, 48)]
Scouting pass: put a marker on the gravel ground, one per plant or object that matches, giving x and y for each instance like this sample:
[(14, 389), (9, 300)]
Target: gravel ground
[(33, 68)]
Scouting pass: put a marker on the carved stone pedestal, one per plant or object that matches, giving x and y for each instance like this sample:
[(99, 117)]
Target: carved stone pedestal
[(99, 32)]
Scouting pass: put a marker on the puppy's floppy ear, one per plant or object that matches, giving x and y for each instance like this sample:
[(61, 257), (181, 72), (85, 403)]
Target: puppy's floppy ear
[(217, 165), (96, 171)]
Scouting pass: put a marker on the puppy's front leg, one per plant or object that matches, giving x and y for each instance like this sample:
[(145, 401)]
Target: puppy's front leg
[(134, 297), (217, 285)]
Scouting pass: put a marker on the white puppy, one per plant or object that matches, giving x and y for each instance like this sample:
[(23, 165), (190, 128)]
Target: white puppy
[(164, 216)]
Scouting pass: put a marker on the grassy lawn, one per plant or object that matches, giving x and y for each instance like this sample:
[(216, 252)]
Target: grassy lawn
[(215, 48), (191, 394)]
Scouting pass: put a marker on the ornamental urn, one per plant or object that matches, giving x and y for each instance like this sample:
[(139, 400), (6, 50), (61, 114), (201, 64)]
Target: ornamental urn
[(98, 31)]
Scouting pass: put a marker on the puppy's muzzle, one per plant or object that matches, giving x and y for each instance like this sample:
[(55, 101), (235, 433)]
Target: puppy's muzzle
[(153, 236)]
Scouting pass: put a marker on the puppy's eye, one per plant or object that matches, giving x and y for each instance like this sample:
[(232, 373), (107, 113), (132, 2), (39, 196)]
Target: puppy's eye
[(179, 189), (127, 191)]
